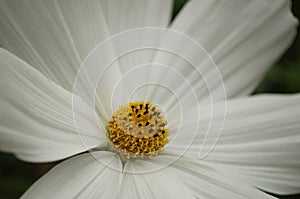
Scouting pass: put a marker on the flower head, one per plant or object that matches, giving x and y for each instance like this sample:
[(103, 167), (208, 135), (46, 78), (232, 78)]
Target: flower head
[(159, 109)]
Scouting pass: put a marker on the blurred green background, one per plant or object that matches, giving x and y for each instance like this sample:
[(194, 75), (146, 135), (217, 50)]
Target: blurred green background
[(16, 176)]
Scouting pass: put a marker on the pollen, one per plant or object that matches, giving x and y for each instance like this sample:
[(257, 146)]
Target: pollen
[(138, 130)]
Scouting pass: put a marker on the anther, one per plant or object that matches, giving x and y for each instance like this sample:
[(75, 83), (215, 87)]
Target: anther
[(138, 130)]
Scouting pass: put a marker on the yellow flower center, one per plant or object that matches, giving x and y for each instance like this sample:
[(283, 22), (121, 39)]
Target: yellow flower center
[(138, 130)]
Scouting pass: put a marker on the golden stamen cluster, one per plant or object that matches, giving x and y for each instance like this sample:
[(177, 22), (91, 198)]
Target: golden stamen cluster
[(138, 130)]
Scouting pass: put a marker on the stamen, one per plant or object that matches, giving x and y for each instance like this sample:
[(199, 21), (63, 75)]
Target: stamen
[(138, 130)]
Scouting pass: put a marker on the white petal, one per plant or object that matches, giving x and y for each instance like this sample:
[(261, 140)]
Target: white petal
[(205, 182), (55, 36), (36, 121), (84, 177), (127, 14), (162, 183), (85, 23), (122, 15), (79, 177), (243, 37), (260, 143), (186, 178), (34, 31)]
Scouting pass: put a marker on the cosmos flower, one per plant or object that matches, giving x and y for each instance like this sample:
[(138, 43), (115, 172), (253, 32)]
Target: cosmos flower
[(128, 149)]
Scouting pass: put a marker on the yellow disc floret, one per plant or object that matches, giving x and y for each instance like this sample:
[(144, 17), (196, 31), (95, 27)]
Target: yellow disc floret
[(138, 130)]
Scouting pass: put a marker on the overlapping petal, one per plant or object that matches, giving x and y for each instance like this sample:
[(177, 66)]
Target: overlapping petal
[(259, 147), (244, 38), (36, 121), (88, 178), (259, 144), (80, 177), (55, 36), (205, 182)]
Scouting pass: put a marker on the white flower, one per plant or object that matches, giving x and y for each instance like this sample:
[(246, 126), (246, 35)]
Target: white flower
[(259, 145)]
